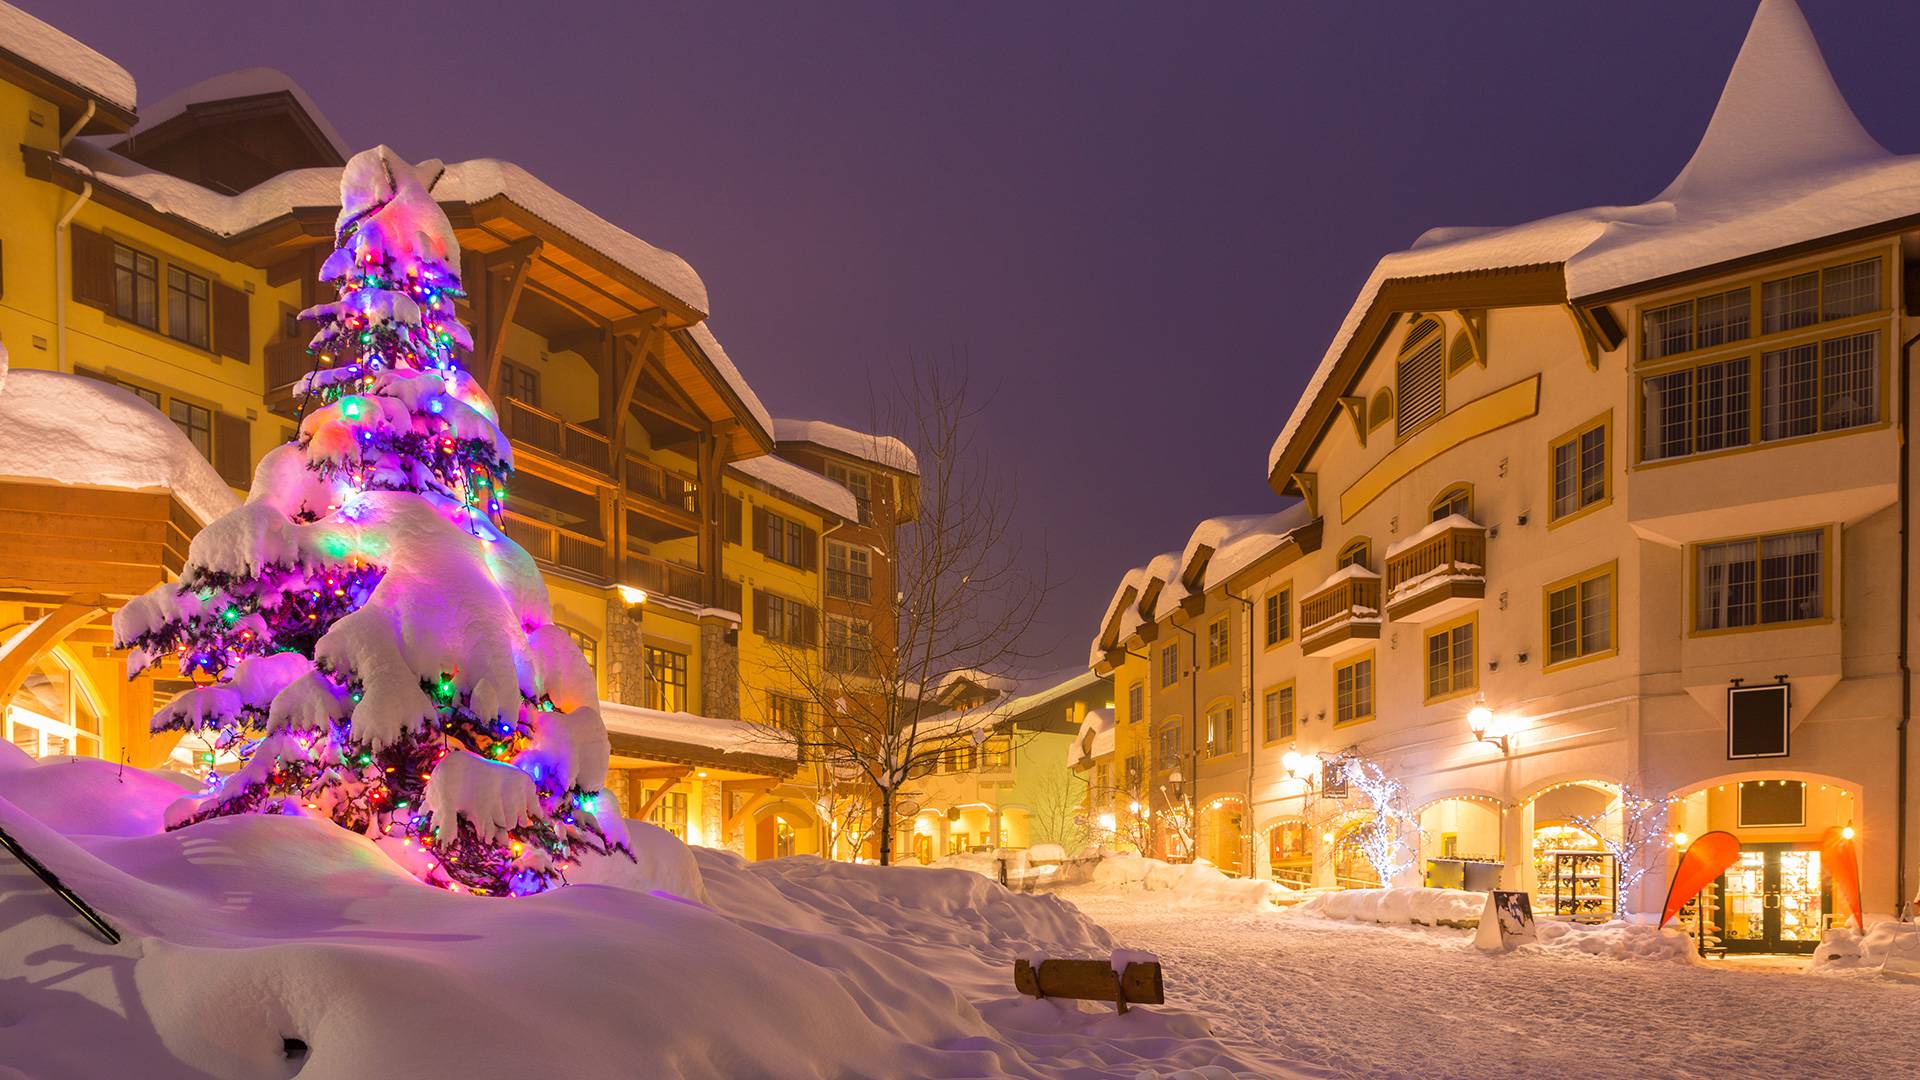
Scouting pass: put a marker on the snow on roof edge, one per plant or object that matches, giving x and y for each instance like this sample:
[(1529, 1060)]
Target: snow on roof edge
[(803, 484), (238, 83), (882, 450), (59, 54)]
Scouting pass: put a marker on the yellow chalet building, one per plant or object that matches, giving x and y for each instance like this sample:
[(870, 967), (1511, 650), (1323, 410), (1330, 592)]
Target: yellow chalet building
[(162, 251), (1616, 499)]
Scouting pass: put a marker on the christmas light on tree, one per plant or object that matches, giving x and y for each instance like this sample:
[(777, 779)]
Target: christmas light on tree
[(373, 648)]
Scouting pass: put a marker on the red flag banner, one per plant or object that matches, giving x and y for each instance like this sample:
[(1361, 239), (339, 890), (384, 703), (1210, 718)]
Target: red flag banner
[(1706, 858), (1843, 865)]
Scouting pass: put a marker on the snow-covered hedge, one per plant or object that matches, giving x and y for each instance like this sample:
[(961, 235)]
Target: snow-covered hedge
[(1196, 883), (1408, 906), (1619, 940)]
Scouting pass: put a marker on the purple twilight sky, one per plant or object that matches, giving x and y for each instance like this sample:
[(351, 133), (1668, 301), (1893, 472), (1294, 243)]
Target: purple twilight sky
[(1141, 223)]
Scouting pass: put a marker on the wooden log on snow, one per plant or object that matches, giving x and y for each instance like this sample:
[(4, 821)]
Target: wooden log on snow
[(1091, 980)]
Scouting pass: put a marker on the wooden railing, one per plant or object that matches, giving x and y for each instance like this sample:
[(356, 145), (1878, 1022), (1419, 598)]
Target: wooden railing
[(1337, 600), (549, 434), (663, 578), (1451, 551), (559, 547), (661, 486), (286, 361)]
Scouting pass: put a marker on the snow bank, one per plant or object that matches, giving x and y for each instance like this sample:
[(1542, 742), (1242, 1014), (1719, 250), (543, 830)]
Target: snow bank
[(244, 931), (1414, 906), (1195, 884), (1618, 940), (1888, 946)]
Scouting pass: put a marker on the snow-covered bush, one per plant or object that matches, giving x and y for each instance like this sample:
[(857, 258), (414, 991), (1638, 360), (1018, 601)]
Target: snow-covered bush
[(1407, 906), (1198, 883)]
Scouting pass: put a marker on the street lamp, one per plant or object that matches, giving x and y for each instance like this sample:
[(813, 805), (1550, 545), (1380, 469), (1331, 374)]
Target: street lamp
[(1302, 767)]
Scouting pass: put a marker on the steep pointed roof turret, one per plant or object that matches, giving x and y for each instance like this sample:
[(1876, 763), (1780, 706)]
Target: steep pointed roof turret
[(1780, 115)]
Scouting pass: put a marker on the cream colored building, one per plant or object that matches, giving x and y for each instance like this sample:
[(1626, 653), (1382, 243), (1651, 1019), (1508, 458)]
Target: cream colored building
[(1574, 481)]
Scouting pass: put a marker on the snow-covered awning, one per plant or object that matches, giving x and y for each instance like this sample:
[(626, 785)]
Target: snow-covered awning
[(687, 738)]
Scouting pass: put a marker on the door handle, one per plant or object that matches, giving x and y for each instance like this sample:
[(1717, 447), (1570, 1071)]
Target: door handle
[(1770, 901)]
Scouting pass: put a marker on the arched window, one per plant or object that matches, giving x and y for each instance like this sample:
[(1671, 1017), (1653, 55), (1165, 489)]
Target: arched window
[(1381, 410), (1420, 378), (1358, 552), (55, 711), (1457, 499)]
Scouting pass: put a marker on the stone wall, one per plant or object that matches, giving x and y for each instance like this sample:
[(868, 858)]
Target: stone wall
[(719, 669)]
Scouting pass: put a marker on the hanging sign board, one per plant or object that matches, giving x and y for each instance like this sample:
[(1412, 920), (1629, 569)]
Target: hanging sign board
[(1333, 779), (1506, 921), (1759, 721)]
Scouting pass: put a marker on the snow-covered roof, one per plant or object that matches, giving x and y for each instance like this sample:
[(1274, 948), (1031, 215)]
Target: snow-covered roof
[(883, 450), (1094, 739), (702, 336), (62, 56), (69, 429), (789, 479), (1783, 161), (246, 82), (714, 733), (465, 181), (1017, 694), (1237, 542)]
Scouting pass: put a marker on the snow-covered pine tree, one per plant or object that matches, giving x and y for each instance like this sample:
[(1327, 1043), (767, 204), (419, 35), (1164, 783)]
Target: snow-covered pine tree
[(373, 647)]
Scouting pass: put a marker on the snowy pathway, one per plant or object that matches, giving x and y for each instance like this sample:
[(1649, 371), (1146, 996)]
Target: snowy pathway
[(1357, 1000)]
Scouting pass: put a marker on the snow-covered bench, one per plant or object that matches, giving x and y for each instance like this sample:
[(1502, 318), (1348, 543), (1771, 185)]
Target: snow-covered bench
[(1129, 978)]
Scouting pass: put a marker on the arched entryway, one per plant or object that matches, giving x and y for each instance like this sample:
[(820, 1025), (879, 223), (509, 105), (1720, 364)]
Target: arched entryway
[(1566, 826), (53, 707), (1351, 868), (781, 829), (1778, 896), (1289, 851), (1220, 833), (1460, 841)]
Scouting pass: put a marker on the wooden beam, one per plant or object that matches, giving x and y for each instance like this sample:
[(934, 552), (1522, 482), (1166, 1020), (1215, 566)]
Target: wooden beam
[(654, 799), (658, 772), (636, 355), (503, 279), (761, 790), (1309, 487), (1589, 341), (1357, 410), (1474, 320), (51, 629)]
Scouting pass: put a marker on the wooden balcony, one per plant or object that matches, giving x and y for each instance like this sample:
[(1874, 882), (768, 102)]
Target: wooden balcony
[(1437, 575), (539, 430), (560, 549), (286, 362), (1342, 615), (662, 578), (665, 504)]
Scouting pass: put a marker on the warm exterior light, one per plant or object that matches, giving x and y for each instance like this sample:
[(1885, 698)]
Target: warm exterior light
[(1133, 807), (1107, 822), (631, 595), (1489, 728), (1680, 839), (1846, 833), (1327, 836), (1300, 766), (702, 774)]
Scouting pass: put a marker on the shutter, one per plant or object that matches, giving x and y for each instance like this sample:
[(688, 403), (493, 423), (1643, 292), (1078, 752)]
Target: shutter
[(809, 550), (1421, 377), (3, 271), (231, 325), (759, 612), (731, 509), (760, 530), (92, 267), (233, 449), (810, 626)]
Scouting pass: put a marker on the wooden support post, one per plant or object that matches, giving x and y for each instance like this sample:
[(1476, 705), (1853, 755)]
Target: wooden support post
[(672, 781), (760, 791)]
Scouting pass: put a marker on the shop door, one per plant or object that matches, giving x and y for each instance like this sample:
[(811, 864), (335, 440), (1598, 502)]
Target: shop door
[(1772, 900)]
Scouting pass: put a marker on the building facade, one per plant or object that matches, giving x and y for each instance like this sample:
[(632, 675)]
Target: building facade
[(1603, 543), (167, 249)]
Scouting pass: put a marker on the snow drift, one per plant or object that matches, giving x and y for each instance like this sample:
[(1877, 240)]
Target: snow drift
[(246, 931)]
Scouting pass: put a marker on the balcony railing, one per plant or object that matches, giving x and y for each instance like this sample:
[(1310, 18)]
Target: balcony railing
[(662, 578), (662, 487), (1345, 609), (559, 547), (1438, 573), (553, 436)]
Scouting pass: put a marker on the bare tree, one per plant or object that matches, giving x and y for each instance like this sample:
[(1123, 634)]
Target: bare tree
[(965, 601), (1061, 810)]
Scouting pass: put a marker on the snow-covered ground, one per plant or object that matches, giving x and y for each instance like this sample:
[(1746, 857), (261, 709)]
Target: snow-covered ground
[(1307, 994), (244, 932)]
